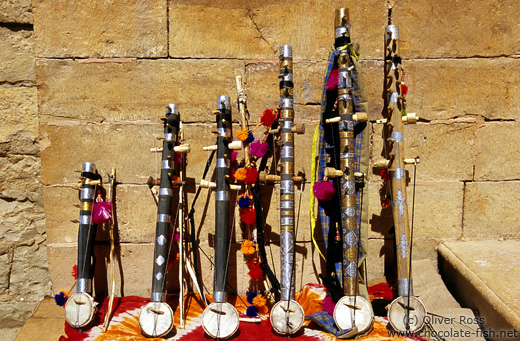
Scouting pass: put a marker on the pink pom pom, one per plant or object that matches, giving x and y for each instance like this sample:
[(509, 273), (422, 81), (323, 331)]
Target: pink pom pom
[(234, 155), (323, 190), (258, 149), (328, 305), (178, 157), (332, 82)]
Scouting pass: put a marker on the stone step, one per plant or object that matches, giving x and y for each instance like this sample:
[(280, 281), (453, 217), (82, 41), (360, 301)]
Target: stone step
[(485, 276)]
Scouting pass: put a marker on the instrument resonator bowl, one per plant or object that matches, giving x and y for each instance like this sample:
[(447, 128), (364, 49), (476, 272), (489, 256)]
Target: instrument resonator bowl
[(220, 320), (79, 310), (287, 317), (156, 319), (350, 309), (397, 314)]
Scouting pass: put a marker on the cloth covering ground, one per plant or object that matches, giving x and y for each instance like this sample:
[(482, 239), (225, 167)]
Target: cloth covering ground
[(124, 323)]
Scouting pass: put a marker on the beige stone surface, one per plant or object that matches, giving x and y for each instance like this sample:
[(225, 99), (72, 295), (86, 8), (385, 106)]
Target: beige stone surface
[(101, 29), (447, 29), (251, 30), (16, 11), (128, 89), (47, 322), (497, 143), (445, 150), (16, 55), (489, 210), (449, 88), (18, 107), (438, 210), (481, 267)]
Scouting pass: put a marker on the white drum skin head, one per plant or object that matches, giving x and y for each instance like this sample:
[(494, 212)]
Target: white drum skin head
[(220, 320), (80, 310), (351, 309), (287, 317), (397, 314), (156, 319)]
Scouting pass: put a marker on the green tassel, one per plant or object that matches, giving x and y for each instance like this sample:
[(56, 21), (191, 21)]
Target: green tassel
[(404, 112)]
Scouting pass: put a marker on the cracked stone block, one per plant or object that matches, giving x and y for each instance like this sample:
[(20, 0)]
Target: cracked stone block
[(5, 269), (18, 108), (77, 29), (133, 90), (14, 314)]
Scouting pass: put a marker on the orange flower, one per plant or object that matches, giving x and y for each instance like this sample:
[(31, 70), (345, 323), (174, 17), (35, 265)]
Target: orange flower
[(262, 310), (242, 134), (248, 247)]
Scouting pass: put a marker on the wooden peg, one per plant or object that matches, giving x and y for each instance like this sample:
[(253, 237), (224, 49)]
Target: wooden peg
[(183, 148), (360, 117), (298, 128), (210, 148)]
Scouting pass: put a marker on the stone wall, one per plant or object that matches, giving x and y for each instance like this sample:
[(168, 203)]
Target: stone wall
[(24, 278), (106, 70)]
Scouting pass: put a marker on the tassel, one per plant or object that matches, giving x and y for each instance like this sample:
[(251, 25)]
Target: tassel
[(248, 247), (255, 271), (244, 201), (251, 311), (248, 215), (268, 118), (258, 149), (61, 298), (250, 138), (323, 190), (242, 134), (74, 271), (385, 175), (259, 301), (240, 174), (332, 82), (234, 155), (251, 175), (250, 296)]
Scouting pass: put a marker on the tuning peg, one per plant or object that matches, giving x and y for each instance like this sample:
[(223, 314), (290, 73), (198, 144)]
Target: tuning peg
[(263, 177), (183, 148), (333, 120), (360, 117), (207, 184), (210, 148), (298, 128), (235, 145), (332, 172)]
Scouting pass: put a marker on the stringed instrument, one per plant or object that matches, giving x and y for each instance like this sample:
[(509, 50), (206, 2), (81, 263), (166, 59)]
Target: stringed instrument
[(406, 313), (352, 312), (81, 307), (156, 317), (287, 315), (220, 319)]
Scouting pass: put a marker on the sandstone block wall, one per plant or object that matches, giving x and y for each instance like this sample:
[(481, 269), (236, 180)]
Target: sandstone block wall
[(105, 71), (24, 277)]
